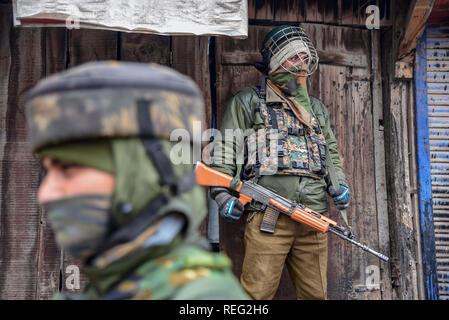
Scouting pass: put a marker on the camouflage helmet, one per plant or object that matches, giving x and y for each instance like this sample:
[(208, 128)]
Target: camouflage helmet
[(128, 104), (112, 99)]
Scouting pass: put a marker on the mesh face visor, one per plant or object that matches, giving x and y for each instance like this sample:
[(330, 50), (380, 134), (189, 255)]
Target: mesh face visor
[(292, 50)]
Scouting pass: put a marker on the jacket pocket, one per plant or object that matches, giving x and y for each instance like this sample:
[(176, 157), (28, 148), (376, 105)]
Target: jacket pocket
[(317, 153), (312, 194)]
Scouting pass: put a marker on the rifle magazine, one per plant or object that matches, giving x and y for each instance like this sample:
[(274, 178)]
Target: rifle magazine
[(270, 217)]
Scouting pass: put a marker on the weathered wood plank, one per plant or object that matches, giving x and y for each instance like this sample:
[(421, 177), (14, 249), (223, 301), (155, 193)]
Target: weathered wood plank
[(19, 170), (311, 11), (336, 12), (333, 90), (261, 9), (408, 215), (56, 50), (5, 66), (289, 11), (330, 12), (360, 20), (364, 199), (338, 39), (145, 48), (49, 262), (91, 45), (321, 10), (379, 154), (231, 79), (385, 12), (326, 57), (402, 232), (414, 186), (347, 12), (190, 58), (343, 59)]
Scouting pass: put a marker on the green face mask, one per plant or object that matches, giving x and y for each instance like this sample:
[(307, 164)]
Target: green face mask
[(282, 78), (80, 223), (288, 83)]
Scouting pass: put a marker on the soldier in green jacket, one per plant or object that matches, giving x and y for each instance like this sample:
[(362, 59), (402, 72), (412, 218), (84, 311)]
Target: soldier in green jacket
[(112, 196), (303, 156)]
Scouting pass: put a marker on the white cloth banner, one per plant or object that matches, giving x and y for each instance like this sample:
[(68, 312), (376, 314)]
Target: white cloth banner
[(169, 17)]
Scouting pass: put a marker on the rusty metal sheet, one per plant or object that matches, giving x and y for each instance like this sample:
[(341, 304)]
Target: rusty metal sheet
[(440, 12)]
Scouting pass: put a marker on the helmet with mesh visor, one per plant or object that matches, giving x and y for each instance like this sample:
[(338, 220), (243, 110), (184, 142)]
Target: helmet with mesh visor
[(291, 43)]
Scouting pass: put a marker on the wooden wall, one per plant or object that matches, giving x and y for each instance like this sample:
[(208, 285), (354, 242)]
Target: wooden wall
[(400, 161), (31, 266), (336, 12), (369, 108)]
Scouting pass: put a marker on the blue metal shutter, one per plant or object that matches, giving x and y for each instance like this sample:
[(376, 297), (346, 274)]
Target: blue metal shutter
[(438, 120)]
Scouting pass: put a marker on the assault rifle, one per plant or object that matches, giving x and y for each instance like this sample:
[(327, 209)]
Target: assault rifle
[(250, 191)]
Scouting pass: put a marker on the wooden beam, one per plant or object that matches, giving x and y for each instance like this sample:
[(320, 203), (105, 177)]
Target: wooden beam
[(397, 100), (415, 23), (379, 159), (403, 70), (326, 57)]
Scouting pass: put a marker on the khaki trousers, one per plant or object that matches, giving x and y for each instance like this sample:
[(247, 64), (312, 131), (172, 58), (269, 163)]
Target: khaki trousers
[(303, 249)]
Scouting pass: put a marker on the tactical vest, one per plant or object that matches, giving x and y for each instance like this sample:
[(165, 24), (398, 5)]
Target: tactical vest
[(301, 151)]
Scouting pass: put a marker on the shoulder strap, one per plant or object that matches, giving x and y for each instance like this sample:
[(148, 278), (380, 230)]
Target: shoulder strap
[(261, 93), (155, 152), (332, 174)]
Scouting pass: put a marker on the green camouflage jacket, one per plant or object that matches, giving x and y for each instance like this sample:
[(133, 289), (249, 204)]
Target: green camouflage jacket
[(181, 272), (240, 114)]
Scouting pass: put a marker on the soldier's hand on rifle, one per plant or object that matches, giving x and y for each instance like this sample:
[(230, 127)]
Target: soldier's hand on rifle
[(341, 196), (229, 206)]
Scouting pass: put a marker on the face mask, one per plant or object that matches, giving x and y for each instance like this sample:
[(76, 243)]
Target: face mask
[(282, 78), (293, 86), (80, 223), (289, 82)]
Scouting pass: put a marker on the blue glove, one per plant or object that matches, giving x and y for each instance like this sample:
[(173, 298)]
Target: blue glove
[(229, 206), (341, 197)]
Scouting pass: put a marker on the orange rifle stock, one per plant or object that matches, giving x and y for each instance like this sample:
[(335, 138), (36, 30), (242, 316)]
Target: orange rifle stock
[(207, 176), (250, 191)]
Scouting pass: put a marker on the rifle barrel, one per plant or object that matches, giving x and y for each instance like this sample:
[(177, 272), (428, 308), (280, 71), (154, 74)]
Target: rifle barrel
[(377, 254)]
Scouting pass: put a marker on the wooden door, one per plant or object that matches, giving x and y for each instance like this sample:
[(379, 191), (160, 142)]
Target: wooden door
[(343, 82)]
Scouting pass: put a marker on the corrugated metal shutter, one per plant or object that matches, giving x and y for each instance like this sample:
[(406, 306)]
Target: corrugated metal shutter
[(438, 106)]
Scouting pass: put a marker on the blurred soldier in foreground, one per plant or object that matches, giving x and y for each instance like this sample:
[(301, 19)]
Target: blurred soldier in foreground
[(111, 193)]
